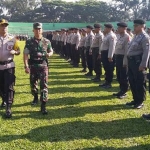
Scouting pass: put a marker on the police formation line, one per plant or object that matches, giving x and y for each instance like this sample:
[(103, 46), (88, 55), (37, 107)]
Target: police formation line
[(122, 49), (97, 49)]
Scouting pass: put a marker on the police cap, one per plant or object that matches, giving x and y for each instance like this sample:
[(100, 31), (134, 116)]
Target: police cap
[(108, 25), (139, 21), (89, 27), (97, 25), (122, 24)]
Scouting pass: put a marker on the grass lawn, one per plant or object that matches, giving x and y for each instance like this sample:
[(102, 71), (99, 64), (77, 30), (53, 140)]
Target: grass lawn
[(82, 116)]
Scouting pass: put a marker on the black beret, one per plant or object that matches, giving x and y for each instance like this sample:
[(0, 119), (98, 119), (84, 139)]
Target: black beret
[(108, 25), (128, 29), (63, 29), (122, 24), (89, 27), (76, 29), (97, 25), (139, 21)]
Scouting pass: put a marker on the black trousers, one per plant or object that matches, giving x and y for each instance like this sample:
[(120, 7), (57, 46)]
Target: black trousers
[(7, 82), (76, 55), (137, 79), (121, 73), (83, 57), (89, 60), (73, 52), (108, 67), (97, 66)]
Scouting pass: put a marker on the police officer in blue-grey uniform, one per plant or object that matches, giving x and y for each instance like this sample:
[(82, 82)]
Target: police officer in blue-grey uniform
[(107, 54), (120, 56), (88, 43), (137, 61), (94, 51)]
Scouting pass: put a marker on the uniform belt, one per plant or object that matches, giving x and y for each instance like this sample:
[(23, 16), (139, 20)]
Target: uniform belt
[(36, 61), (95, 48), (135, 57), (5, 62)]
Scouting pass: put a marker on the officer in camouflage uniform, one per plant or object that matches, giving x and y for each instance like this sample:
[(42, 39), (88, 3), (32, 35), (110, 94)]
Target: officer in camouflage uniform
[(8, 48), (39, 49), (137, 61)]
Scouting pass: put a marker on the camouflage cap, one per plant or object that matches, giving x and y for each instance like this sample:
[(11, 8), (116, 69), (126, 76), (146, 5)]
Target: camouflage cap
[(37, 25)]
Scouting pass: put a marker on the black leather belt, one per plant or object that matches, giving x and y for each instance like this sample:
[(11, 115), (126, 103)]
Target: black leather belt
[(5, 62), (135, 57)]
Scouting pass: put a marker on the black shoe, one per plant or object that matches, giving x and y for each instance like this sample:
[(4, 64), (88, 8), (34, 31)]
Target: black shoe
[(132, 103), (96, 80), (138, 106), (89, 74), (84, 70), (75, 66), (117, 94), (3, 104), (8, 111), (146, 117), (8, 114), (43, 109), (108, 86), (35, 100), (102, 85), (122, 96)]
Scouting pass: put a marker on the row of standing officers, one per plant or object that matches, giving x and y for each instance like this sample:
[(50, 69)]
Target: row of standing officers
[(107, 49)]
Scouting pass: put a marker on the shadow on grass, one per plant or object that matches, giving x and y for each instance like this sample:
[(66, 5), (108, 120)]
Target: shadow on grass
[(68, 112), (139, 147), (77, 130)]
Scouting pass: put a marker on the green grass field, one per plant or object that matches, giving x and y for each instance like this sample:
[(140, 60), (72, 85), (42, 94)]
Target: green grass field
[(81, 116)]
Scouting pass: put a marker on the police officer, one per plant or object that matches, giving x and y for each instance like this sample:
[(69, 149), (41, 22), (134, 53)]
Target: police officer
[(94, 51), (82, 50), (120, 56), (88, 43), (8, 48), (107, 53), (138, 56), (75, 47), (39, 49)]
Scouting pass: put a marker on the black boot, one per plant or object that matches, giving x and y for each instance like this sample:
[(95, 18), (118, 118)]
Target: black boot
[(35, 100), (8, 111), (43, 108), (3, 104)]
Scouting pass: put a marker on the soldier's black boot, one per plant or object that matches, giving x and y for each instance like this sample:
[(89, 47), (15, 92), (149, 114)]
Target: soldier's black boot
[(35, 100), (8, 111), (3, 104), (43, 108)]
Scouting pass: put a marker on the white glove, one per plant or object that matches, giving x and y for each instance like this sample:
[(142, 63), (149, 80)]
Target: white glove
[(12, 52)]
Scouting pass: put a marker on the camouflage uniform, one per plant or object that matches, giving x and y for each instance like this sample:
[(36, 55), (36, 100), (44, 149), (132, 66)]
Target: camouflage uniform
[(37, 49)]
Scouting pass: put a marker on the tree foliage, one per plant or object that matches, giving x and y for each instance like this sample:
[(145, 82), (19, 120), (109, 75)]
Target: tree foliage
[(81, 11)]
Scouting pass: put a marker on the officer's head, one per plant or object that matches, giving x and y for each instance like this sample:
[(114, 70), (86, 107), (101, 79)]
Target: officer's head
[(122, 27), (89, 28), (76, 30), (97, 27), (3, 26), (108, 28), (139, 25), (37, 29)]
